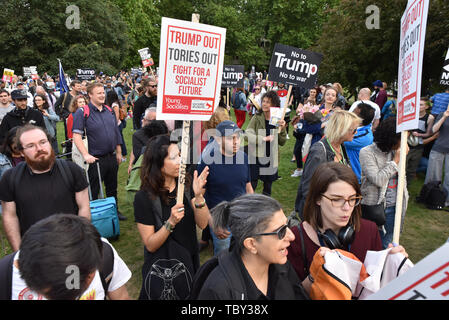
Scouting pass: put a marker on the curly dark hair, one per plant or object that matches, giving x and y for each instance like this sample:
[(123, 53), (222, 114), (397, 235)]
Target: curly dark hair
[(385, 136), (154, 128), (273, 96)]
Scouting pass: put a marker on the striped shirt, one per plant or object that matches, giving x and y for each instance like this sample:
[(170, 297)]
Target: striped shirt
[(440, 102)]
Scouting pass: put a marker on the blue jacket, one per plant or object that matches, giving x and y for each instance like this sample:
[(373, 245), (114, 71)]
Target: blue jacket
[(363, 138)]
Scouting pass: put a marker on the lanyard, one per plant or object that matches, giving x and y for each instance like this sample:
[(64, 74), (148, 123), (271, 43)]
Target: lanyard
[(342, 161)]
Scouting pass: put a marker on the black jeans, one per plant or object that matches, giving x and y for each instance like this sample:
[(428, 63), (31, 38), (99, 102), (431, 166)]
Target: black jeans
[(266, 187), (297, 150), (109, 171)]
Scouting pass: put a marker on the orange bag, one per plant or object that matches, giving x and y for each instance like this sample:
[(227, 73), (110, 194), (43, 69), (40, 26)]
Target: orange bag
[(326, 285)]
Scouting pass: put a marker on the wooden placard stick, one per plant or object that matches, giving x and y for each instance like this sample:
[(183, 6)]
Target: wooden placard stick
[(185, 142), (290, 87), (400, 190)]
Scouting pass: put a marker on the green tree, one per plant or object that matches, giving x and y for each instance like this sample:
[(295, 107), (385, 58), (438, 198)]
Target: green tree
[(37, 32), (254, 27), (144, 27), (357, 56)]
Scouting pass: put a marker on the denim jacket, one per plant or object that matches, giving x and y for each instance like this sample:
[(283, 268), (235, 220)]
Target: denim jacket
[(5, 164)]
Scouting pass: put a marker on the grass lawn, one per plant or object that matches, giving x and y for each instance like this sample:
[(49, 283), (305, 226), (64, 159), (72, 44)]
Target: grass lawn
[(424, 230)]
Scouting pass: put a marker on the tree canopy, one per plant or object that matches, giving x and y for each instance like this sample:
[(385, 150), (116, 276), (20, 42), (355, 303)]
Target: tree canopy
[(356, 56), (110, 33), (35, 33)]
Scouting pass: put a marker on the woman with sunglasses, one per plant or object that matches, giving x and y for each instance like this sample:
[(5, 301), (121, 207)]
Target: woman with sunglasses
[(341, 127), (256, 266), (332, 220), (257, 97)]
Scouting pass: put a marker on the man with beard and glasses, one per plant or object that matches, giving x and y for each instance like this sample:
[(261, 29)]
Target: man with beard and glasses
[(40, 187)]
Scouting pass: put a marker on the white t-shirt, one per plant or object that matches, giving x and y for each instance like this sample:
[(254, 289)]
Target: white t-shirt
[(369, 102), (4, 111), (121, 275)]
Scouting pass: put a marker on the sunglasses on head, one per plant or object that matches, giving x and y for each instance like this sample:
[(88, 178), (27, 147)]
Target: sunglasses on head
[(281, 232)]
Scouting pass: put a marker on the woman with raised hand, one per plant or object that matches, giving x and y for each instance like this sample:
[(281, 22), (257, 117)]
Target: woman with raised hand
[(168, 228)]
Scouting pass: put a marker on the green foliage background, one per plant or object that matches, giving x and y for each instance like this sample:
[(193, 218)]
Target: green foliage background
[(111, 32)]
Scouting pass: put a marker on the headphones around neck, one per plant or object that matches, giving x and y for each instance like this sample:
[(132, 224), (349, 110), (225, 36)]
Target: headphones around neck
[(342, 241)]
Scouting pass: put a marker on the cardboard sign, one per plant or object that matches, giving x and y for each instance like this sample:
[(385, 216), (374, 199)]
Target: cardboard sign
[(427, 280), (7, 75), (232, 76), (144, 53), (191, 66), (85, 74), (445, 73), (411, 51), (145, 56), (275, 116), (147, 62), (30, 72), (294, 66)]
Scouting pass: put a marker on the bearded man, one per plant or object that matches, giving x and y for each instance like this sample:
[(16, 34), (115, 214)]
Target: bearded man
[(40, 187)]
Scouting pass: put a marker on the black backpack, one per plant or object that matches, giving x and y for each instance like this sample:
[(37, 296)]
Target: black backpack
[(201, 276), (6, 263), (432, 196)]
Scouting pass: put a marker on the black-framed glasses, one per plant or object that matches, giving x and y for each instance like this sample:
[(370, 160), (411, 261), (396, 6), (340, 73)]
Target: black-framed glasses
[(281, 232), (153, 86), (340, 202), (41, 143)]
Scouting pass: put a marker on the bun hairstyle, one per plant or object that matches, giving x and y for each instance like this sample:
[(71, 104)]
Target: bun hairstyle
[(245, 216)]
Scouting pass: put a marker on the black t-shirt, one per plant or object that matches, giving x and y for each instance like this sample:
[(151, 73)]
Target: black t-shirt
[(184, 232), (140, 139), (41, 195)]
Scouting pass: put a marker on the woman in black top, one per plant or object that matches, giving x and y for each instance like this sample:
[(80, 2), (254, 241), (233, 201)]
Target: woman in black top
[(167, 228), (256, 268)]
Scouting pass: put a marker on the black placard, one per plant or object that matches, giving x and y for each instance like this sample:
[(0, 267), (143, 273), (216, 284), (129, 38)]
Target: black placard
[(85, 74), (232, 76), (444, 81), (294, 66)]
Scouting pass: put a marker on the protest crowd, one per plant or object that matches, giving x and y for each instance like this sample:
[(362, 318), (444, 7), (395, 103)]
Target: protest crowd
[(347, 163)]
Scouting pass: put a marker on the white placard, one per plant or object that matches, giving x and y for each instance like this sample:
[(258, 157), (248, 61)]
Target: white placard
[(190, 70), (427, 280), (411, 51)]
